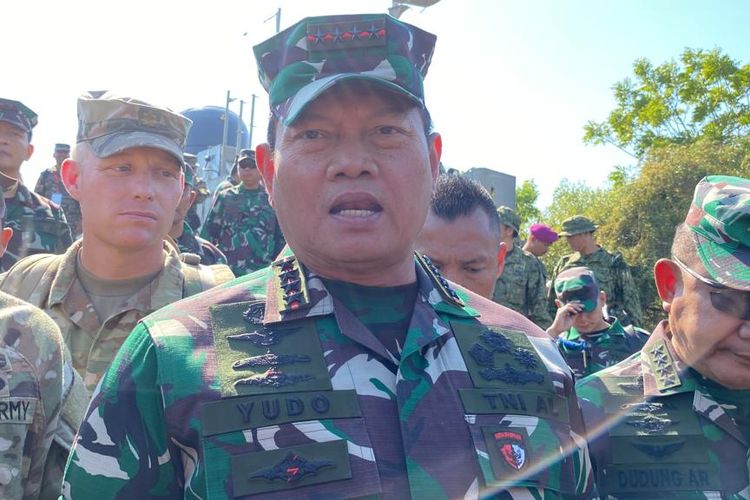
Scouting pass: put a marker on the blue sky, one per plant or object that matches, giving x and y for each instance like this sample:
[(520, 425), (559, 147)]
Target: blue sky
[(511, 85)]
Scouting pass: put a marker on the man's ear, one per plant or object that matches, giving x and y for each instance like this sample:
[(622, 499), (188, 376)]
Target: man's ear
[(501, 251), (435, 144), (5, 235), (29, 151), (70, 173), (266, 166), (668, 280)]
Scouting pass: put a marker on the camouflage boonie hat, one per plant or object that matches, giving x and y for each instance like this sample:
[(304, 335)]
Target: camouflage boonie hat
[(577, 284), (112, 124), (303, 61), (18, 114), (720, 218), (576, 225), (509, 217)]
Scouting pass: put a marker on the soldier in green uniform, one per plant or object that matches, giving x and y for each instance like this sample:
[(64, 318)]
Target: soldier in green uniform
[(39, 226), (611, 270), (31, 389), (461, 235), (242, 223), (522, 284), (126, 172), (50, 185), (201, 193), (673, 421), (588, 340), (349, 367), (182, 233)]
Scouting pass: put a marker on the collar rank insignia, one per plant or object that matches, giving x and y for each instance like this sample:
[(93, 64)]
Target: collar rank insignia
[(442, 284), (292, 468), (663, 367), (512, 448), (273, 377), (292, 286), (270, 359)]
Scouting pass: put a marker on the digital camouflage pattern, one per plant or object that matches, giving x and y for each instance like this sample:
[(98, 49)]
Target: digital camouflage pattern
[(39, 226), (576, 225), (301, 62), (192, 243), (613, 275), (656, 431), (587, 354), (718, 218), (522, 285), (244, 227), (50, 186), (270, 386), (51, 283), (18, 114), (31, 386)]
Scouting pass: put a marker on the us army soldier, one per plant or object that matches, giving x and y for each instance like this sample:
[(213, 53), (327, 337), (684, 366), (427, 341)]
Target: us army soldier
[(673, 421), (50, 185), (39, 226), (348, 367)]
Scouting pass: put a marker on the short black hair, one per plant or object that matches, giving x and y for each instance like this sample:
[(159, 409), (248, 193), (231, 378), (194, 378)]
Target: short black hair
[(458, 196), (273, 119)]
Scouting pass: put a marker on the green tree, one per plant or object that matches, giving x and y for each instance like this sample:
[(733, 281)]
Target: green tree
[(704, 95), (527, 195)]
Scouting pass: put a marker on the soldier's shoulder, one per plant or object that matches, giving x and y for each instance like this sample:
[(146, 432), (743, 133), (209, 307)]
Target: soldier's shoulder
[(493, 314), (28, 329), (623, 378)]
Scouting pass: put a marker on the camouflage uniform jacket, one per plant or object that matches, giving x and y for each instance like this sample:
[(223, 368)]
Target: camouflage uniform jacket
[(263, 388), (50, 186), (243, 225), (191, 243), (586, 356), (657, 433), (521, 286), (39, 226), (613, 275), (92, 343), (31, 385)]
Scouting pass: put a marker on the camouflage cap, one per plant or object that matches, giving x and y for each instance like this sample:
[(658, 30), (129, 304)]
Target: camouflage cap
[(190, 159), (509, 217), (578, 284), (111, 124), (245, 154), (189, 174), (18, 114), (576, 225), (306, 59), (62, 148), (720, 219)]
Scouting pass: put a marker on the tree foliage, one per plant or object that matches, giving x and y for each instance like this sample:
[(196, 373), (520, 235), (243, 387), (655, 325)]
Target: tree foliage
[(527, 195), (704, 95)]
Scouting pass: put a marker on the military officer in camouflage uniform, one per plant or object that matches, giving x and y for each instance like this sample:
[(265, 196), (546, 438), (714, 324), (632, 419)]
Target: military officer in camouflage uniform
[(242, 223), (182, 233), (588, 340), (39, 226), (50, 185), (611, 271), (673, 421), (521, 286), (347, 368), (201, 193), (126, 172), (31, 389)]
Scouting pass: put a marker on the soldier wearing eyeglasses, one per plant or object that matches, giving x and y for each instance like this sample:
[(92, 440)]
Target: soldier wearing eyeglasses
[(673, 421), (242, 223)]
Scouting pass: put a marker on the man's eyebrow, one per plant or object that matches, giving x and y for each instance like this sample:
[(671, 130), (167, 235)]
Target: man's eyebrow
[(475, 260), (388, 110)]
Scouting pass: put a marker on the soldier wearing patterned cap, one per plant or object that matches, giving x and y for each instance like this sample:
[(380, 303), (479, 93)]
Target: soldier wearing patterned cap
[(182, 233), (611, 270), (39, 226), (673, 421), (349, 367), (522, 284), (50, 185), (589, 340), (242, 223)]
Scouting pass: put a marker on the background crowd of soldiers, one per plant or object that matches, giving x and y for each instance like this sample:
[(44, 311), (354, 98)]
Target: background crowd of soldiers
[(110, 235)]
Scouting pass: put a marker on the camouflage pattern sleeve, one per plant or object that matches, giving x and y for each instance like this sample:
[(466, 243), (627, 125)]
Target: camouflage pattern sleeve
[(625, 288), (116, 454), (538, 310), (43, 184), (212, 225)]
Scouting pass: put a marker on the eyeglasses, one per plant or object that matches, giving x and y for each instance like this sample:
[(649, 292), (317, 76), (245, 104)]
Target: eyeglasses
[(247, 164), (727, 300)]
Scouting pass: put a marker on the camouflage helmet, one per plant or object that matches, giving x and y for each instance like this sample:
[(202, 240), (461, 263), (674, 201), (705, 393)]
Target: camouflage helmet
[(303, 61), (719, 217), (576, 225), (578, 284), (509, 217)]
